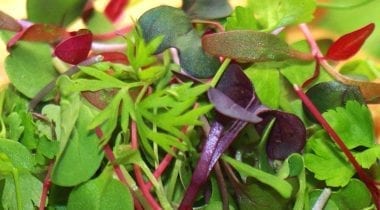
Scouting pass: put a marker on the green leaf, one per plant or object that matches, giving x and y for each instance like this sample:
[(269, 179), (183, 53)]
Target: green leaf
[(206, 9), (101, 193), (368, 157), (267, 85), (14, 126), (29, 67), (242, 18), (98, 23), (280, 185), (326, 162), (30, 192), (18, 154), (81, 156), (272, 14), (353, 123), (355, 189), (247, 46), (343, 4), (59, 12)]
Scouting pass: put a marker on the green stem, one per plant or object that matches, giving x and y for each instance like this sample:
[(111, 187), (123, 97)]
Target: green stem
[(263, 158), (17, 188), (220, 72)]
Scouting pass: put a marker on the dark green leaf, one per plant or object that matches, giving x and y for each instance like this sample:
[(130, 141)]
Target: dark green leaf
[(355, 189), (247, 46), (59, 12), (207, 9), (30, 68), (330, 95)]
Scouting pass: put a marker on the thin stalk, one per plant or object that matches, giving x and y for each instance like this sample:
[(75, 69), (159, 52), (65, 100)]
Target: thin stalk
[(139, 178), (220, 72), (215, 24), (322, 199), (46, 186), (222, 185), (113, 34), (368, 181)]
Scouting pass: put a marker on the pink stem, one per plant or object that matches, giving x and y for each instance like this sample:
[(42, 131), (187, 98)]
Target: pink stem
[(46, 186), (113, 34), (116, 167), (369, 182), (139, 177)]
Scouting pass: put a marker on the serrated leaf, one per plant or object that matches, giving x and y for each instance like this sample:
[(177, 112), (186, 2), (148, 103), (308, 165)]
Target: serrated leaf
[(353, 123), (29, 67), (60, 12), (272, 14), (368, 157), (247, 46), (327, 163)]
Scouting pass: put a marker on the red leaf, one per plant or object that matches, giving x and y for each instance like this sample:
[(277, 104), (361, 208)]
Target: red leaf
[(9, 23), (115, 57), (39, 33), (76, 48), (115, 8), (349, 44)]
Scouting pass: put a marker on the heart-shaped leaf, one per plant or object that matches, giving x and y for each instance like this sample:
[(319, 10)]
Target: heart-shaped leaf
[(76, 48), (287, 136), (349, 44), (247, 46), (207, 9)]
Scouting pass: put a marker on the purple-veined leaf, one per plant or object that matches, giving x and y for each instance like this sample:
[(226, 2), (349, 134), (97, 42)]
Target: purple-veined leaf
[(76, 48), (287, 136), (349, 44), (115, 8), (228, 107)]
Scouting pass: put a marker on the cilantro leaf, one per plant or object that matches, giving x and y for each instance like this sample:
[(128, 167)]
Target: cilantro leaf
[(326, 162), (272, 14), (353, 123)]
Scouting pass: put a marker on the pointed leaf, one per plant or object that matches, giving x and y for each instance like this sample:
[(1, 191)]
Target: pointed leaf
[(247, 46), (349, 44), (76, 48), (115, 8)]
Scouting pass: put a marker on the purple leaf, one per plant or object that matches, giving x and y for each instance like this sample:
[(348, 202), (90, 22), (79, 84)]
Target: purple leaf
[(228, 107), (76, 48), (287, 136), (201, 171)]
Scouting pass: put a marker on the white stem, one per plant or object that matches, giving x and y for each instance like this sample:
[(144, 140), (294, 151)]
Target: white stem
[(322, 199), (105, 47)]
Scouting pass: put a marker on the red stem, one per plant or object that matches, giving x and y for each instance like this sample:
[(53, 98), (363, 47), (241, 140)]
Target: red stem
[(116, 167), (46, 186), (369, 182), (139, 177)]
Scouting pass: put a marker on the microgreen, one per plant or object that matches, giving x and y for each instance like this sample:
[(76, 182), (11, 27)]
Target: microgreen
[(191, 107)]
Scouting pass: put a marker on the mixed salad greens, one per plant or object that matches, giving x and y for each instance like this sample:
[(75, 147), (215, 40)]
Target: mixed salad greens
[(204, 106)]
